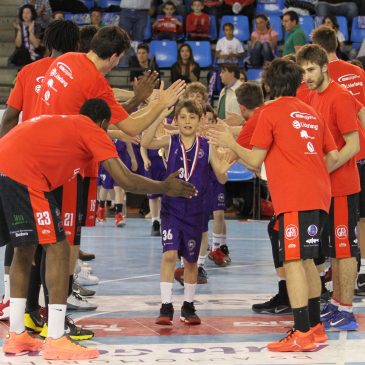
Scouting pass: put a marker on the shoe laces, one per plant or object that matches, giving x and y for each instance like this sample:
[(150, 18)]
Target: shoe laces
[(289, 335), (79, 297), (189, 308), (224, 249)]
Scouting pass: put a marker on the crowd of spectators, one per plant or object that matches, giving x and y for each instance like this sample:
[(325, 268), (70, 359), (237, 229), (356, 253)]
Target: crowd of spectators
[(172, 20)]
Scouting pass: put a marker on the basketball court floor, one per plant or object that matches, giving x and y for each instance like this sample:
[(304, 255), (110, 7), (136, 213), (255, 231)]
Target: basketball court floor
[(127, 263)]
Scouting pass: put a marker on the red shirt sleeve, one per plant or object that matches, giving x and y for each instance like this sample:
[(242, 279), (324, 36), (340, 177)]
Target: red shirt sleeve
[(263, 135), (345, 112), (246, 133), (16, 97), (190, 23)]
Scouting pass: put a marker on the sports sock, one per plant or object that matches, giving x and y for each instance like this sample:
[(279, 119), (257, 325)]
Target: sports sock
[(102, 203), (345, 308), (6, 287), (314, 311), (119, 208), (335, 302), (201, 260), (17, 310), (156, 219), (56, 320), (189, 292), (301, 319), (181, 262), (224, 239), (217, 241), (166, 292), (283, 292), (362, 267), (70, 284)]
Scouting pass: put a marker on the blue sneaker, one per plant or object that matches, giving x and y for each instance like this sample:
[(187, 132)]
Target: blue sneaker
[(344, 321), (328, 311)]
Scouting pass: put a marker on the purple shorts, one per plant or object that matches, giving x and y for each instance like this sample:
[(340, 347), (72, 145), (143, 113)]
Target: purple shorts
[(181, 237), (156, 172), (104, 179), (218, 195)]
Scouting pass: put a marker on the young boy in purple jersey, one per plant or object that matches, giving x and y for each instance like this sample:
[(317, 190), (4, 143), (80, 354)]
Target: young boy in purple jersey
[(182, 220)]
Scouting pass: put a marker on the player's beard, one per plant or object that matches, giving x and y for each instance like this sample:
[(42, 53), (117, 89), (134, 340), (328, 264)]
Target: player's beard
[(317, 84)]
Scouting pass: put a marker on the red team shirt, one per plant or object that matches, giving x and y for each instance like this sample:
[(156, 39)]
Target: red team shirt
[(296, 139), (338, 108), (28, 83), (58, 147)]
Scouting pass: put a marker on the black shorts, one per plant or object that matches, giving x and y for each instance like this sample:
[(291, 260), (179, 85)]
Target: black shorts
[(343, 217), (27, 216), (361, 168), (89, 201), (300, 234), (69, 199)]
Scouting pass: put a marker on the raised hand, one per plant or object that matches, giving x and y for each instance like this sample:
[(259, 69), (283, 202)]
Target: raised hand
[(179, 188), (221, 135), (144, 86), (172, 94)]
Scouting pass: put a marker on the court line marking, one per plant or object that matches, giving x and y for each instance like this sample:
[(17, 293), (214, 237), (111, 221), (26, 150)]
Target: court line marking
[(154, 238), (341, 349)]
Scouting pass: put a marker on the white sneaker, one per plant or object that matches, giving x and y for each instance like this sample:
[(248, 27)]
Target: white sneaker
[(84, 277), (85, 265), (76, 302)]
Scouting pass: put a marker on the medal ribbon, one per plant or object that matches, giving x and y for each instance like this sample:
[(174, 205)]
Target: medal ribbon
[(188, 175)]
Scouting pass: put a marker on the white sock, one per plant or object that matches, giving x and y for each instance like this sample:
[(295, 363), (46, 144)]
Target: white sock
[(189, 292), (346, 308), (182, 262), (224, 239), (322, 273), (335, 302), (17, 310), (56, 320), (201, 260), (166, 292), (158, 219), (217, 241), (6, 287), (362, 267)]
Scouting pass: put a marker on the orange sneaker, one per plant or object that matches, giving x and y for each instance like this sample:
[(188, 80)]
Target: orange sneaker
[(16, 343), (319, 333), (101, 214), (65, 349), (119, 220), (295, 341)]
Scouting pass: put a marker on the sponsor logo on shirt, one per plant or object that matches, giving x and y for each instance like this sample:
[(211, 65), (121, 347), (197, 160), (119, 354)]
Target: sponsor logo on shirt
[(342, 244), (46, 231), (201, 153), (292, 245), (291, 232), (221, 197), (348, 77), (312, 240), (50, 84), (341, 231), (300, 115), (65, 69), (312, 230), (304, 134), (21, 234), (310, 147), (54, 73), (39, 80)]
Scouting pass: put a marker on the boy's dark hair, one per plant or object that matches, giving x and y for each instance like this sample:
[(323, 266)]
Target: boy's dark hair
[(32, 10), (62, 36), (283, 78), (87, 33), (326, 38), (232, 68), (169, 3), (312, 53), (230, 25), (210, 109), (99, 10), (192, 106), (250, 95), (144, 46), (244, 73), (292, 15), (334, 21), (110, 40), (96, 109)]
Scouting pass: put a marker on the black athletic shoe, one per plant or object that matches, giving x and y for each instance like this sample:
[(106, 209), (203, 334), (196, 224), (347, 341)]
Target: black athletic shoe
[(188, 315), (360, 285), (86, 256), (225, 250), (166, 315), (202, 275), (84, 292), (75, 332), (276, 305), (156, 229)]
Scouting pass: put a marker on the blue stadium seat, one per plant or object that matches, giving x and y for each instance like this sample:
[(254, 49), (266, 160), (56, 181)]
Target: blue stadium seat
[(254, 74), (342, 22), (213, 28), (276, 25), (237, 172), (181, 18), (201, 52), (307, 24), (165, 53), (148, 30), (106, 3), (270, 7), (79, 19), (241, 28), (110, 18), (358, 29)]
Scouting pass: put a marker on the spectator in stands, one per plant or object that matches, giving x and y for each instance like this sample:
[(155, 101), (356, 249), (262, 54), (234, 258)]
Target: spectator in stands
[(133, 17), (227, 103), (243, 76), (197, 22), (44, 11), (95, 18), (242, 7), (185, 68), (168, 26), (142, 62), (58, 15), (28, 37), (179, 5), (348, 9), (263, 41), (87, 33), (296, 37), (331, 21), (228, 49)]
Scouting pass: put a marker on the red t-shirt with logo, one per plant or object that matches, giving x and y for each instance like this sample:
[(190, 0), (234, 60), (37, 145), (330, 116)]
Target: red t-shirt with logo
[(53, 150), (28, 83), (353, 79), (296, 140), (244, 138), (339, 109)]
